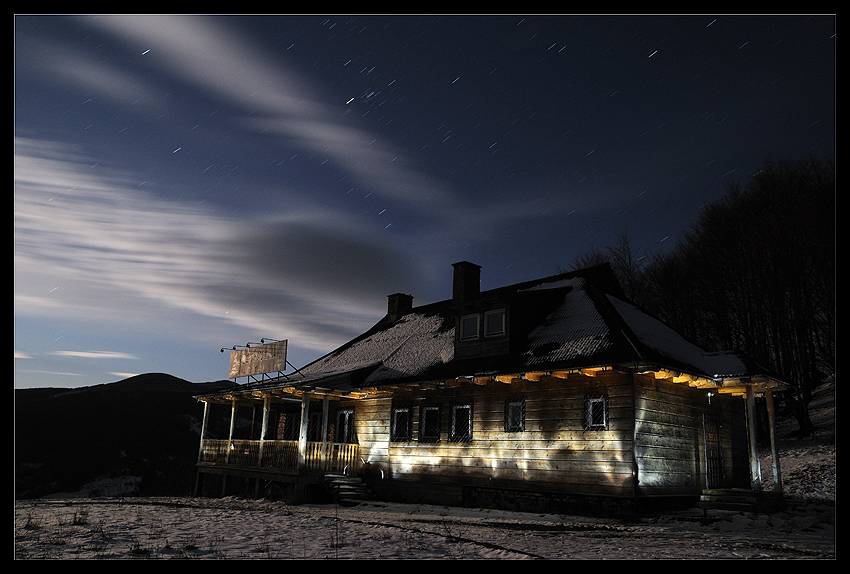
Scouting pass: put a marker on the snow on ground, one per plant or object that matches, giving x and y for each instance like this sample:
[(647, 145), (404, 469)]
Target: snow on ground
[(245, 529), (233, 528)]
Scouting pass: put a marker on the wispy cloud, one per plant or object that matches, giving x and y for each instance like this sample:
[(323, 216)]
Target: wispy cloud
[(205, 55), (67, 66), (107, 355), (105, 244)]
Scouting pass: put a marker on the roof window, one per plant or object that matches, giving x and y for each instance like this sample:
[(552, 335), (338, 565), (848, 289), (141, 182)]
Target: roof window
[(494, 323), (469, 327)]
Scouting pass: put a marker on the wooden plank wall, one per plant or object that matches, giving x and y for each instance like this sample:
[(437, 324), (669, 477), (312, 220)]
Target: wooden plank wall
[(372, 427), (669, 439), (554, 453), (736, 447)]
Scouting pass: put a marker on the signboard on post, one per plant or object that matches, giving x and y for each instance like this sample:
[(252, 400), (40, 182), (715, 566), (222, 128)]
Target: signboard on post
[(268, 358)]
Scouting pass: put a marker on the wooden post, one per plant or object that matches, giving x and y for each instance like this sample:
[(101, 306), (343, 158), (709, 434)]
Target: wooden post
[(755, 467), (233, 409), (302, 437), (267, 399), (201, 447), (203, 429), (774, 449), (325, 450)]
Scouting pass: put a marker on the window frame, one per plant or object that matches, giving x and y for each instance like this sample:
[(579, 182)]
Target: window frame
[(288, 425), (314, 426), (591, 405), (401, 434), (504, 327), (463, 319), (424, 436), (455, 434), (510, 405), (344, 431)]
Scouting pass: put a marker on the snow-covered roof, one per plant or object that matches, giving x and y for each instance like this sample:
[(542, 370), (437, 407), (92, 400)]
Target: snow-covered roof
[(573, 331), (657, 336), (577, 320), (407, 348)]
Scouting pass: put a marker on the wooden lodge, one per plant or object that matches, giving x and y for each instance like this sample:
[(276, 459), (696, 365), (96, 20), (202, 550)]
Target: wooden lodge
[(554, 394)]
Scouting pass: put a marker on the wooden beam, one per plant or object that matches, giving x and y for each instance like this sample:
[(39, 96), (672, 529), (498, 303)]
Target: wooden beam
[(702, 383)]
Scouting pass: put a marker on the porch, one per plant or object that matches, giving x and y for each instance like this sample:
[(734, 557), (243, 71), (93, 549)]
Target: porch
[(289, 444)]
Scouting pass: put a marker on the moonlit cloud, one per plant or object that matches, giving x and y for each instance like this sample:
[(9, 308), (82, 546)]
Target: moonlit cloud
[(69, 67), (200, 53), (95, 355), (106, 244)]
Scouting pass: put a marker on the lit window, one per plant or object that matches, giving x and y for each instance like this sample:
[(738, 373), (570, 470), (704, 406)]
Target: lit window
[(494, 323), (469, 327), (461, 429)]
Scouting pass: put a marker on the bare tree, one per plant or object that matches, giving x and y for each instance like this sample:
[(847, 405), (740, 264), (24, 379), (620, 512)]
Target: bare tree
[(757, 273), (626, 263)]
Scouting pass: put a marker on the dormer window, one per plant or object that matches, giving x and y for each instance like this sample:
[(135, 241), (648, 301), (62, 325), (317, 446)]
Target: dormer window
[(469, 327), (482, 330), (494, 323)]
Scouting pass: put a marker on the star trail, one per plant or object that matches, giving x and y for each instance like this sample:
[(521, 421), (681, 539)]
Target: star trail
[(184, 183)]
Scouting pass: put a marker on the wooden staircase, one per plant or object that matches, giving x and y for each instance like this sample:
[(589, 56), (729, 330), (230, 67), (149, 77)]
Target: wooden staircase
[(347, 490), (742, 500)]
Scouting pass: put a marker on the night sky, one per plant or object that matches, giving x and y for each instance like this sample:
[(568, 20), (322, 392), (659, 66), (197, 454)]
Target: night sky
[(185, 184)]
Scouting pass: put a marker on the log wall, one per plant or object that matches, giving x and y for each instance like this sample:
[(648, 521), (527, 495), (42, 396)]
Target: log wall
[(670, 438), (653, 445), (553, 453)]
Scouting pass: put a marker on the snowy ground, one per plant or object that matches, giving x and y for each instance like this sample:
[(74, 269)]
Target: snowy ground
[(240, 529), (230, 528)]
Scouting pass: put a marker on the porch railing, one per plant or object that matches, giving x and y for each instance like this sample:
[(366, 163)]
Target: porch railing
[(279, 454)]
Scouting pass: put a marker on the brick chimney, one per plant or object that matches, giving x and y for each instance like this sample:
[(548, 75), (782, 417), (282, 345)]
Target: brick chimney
[(466, 282), (398, 304)]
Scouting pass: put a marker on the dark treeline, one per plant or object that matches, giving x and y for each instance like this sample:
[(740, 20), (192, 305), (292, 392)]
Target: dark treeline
[(755, 273)]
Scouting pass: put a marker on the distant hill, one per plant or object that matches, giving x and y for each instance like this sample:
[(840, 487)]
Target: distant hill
[(147, 426)]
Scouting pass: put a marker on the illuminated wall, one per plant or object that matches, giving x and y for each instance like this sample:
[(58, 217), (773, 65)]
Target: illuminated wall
[(554, 450)]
